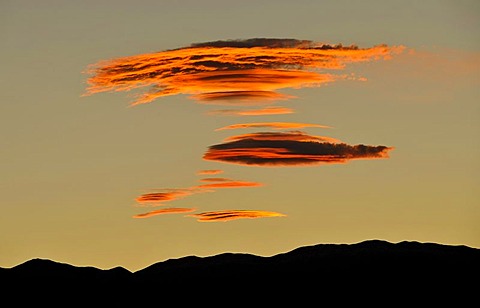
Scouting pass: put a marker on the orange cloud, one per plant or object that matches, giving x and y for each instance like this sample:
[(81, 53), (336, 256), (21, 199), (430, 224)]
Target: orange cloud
[(274, 125), (259, 79), (209, 171), (291, 136), (289, 149), (172, 210), (253, 112), (252, 69), (240, 95), (166, 195), (225, 183), (227, 215), (215, 180)]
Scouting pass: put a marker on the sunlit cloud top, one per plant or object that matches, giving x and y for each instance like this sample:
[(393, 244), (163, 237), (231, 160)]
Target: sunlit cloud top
[(251, 69)]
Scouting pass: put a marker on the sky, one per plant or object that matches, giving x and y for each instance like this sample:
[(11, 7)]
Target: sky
[(134, 132)]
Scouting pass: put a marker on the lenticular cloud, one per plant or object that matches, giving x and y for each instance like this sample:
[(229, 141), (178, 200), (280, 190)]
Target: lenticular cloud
[(243, 70), (290, 149)]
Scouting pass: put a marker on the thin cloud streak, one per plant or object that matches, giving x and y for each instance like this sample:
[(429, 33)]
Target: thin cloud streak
[(287, 149), (269, 110), (215, 180), (171, 210), (227, 215), (241, 95), (230, 184), (242, 81), (167, 195), (209, 171), (252, 69), (291, 135), (273, 125)]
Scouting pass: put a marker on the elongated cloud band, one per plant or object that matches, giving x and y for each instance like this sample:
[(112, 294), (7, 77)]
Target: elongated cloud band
[(291, 135), (242, 95), (289, 149), (171, 210), (230, 184), (274, 125), (269, 110), (227, 215), (252, 69), (162, 196), (209, 171)]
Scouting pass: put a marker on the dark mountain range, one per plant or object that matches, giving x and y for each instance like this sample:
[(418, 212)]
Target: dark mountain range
[(398, 269)]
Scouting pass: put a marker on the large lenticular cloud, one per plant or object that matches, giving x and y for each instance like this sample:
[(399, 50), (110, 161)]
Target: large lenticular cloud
[(289, 149), (248, 70)]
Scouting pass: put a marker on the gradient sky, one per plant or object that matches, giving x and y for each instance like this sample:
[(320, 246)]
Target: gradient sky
[(383, 148)]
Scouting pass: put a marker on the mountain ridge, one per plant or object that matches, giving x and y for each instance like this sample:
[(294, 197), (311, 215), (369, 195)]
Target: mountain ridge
[(360, 267), (364, 243)]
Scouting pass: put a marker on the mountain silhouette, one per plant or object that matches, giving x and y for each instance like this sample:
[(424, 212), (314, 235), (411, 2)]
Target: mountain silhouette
[(399, 269)]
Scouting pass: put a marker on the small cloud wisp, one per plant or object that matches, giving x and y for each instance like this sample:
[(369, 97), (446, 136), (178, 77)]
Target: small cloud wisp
[(171, 210), (273, 125), (227, 215), (269, 110), (159, 198), (209, 171)]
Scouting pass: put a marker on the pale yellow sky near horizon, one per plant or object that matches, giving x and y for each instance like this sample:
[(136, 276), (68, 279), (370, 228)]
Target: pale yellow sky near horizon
[(72, 165)]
